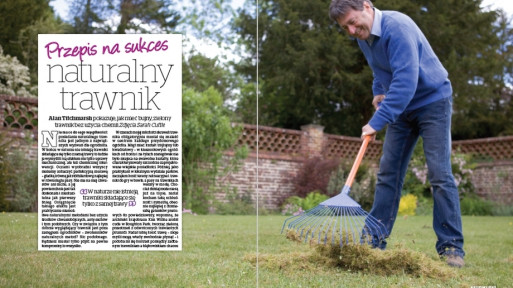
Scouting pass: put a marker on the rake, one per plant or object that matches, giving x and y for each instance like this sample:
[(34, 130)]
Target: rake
[(339, 220)]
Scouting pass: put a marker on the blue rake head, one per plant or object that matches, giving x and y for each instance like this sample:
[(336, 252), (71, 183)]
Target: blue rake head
[(337, 221), (340, 219)]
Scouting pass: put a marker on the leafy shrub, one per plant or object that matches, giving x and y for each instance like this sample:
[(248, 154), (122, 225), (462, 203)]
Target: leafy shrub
[(314, 175), (417, 183), (238, 204), (473, 205), (500, 209), (328, 176), (4, 172), (413, 185), (207, 133), (337, 180), (14, 77), (424, 206), (290, 208), (18, 181), (24, 185), (291, 205), (462, 168), (362, 190), (408, 205), (310, 201), (313, 199)]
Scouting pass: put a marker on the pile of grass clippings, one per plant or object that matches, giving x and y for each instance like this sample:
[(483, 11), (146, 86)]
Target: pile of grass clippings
[(362, 258), (394, 261)]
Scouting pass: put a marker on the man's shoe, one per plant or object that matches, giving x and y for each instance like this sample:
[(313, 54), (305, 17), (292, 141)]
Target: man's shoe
[(455, 261)]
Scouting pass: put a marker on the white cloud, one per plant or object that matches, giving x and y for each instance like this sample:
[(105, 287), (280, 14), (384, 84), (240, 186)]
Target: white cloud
[(506, 5)]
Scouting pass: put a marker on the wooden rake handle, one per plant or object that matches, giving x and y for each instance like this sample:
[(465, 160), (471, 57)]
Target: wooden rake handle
[(358, 160)]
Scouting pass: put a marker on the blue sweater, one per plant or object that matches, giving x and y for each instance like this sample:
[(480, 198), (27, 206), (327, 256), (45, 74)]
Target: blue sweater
[(405, 69)]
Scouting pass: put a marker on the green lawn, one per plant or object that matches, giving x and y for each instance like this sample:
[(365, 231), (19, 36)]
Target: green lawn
[(220, 251)]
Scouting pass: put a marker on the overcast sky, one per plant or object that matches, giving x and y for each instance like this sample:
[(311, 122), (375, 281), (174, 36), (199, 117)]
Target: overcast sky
[(507, 5)]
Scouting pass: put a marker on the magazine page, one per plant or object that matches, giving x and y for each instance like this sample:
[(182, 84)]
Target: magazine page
[(110, 142)]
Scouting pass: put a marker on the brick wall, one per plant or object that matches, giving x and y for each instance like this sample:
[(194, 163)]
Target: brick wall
[(494, 181), (281, 153), (273, 180), (493, 176)]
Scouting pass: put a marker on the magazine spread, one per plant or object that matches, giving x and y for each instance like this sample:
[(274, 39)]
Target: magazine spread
[(110, 142)]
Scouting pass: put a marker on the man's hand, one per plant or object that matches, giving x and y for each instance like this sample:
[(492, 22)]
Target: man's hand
[(377, 99), (368, 130)]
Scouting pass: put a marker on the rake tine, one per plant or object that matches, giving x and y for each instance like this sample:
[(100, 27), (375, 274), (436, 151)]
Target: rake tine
[(338, 215), (376, 226), (366, 230), (372, 222), (361, 223), (313, 222), (328, 222), (302, 216), (284, 223), (341, 230), (351, 223), (325, 223), (334, 221), (331, 227), (358, 221), (318, 224), (299, 217), (343, 227), (354, 222), (305, 225), (358, 226), (346, 226), (337, 221)]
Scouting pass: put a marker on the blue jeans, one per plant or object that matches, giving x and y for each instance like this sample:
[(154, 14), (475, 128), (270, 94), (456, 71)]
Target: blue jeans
[(433, 123)]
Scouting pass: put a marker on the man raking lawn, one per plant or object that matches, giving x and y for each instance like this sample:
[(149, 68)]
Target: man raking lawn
[(412, 95)]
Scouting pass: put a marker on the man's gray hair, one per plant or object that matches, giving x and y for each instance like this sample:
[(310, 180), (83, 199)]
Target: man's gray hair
[(339, 8)]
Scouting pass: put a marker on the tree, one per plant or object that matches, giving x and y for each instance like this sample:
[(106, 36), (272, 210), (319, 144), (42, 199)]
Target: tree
[(466, 39), (505, 100), (89, 16), (207, 133), (28, 38), (135, 14), (310, 71), (17, 15), (208, 24), (200, 73), (123, 16), (20, 23)]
